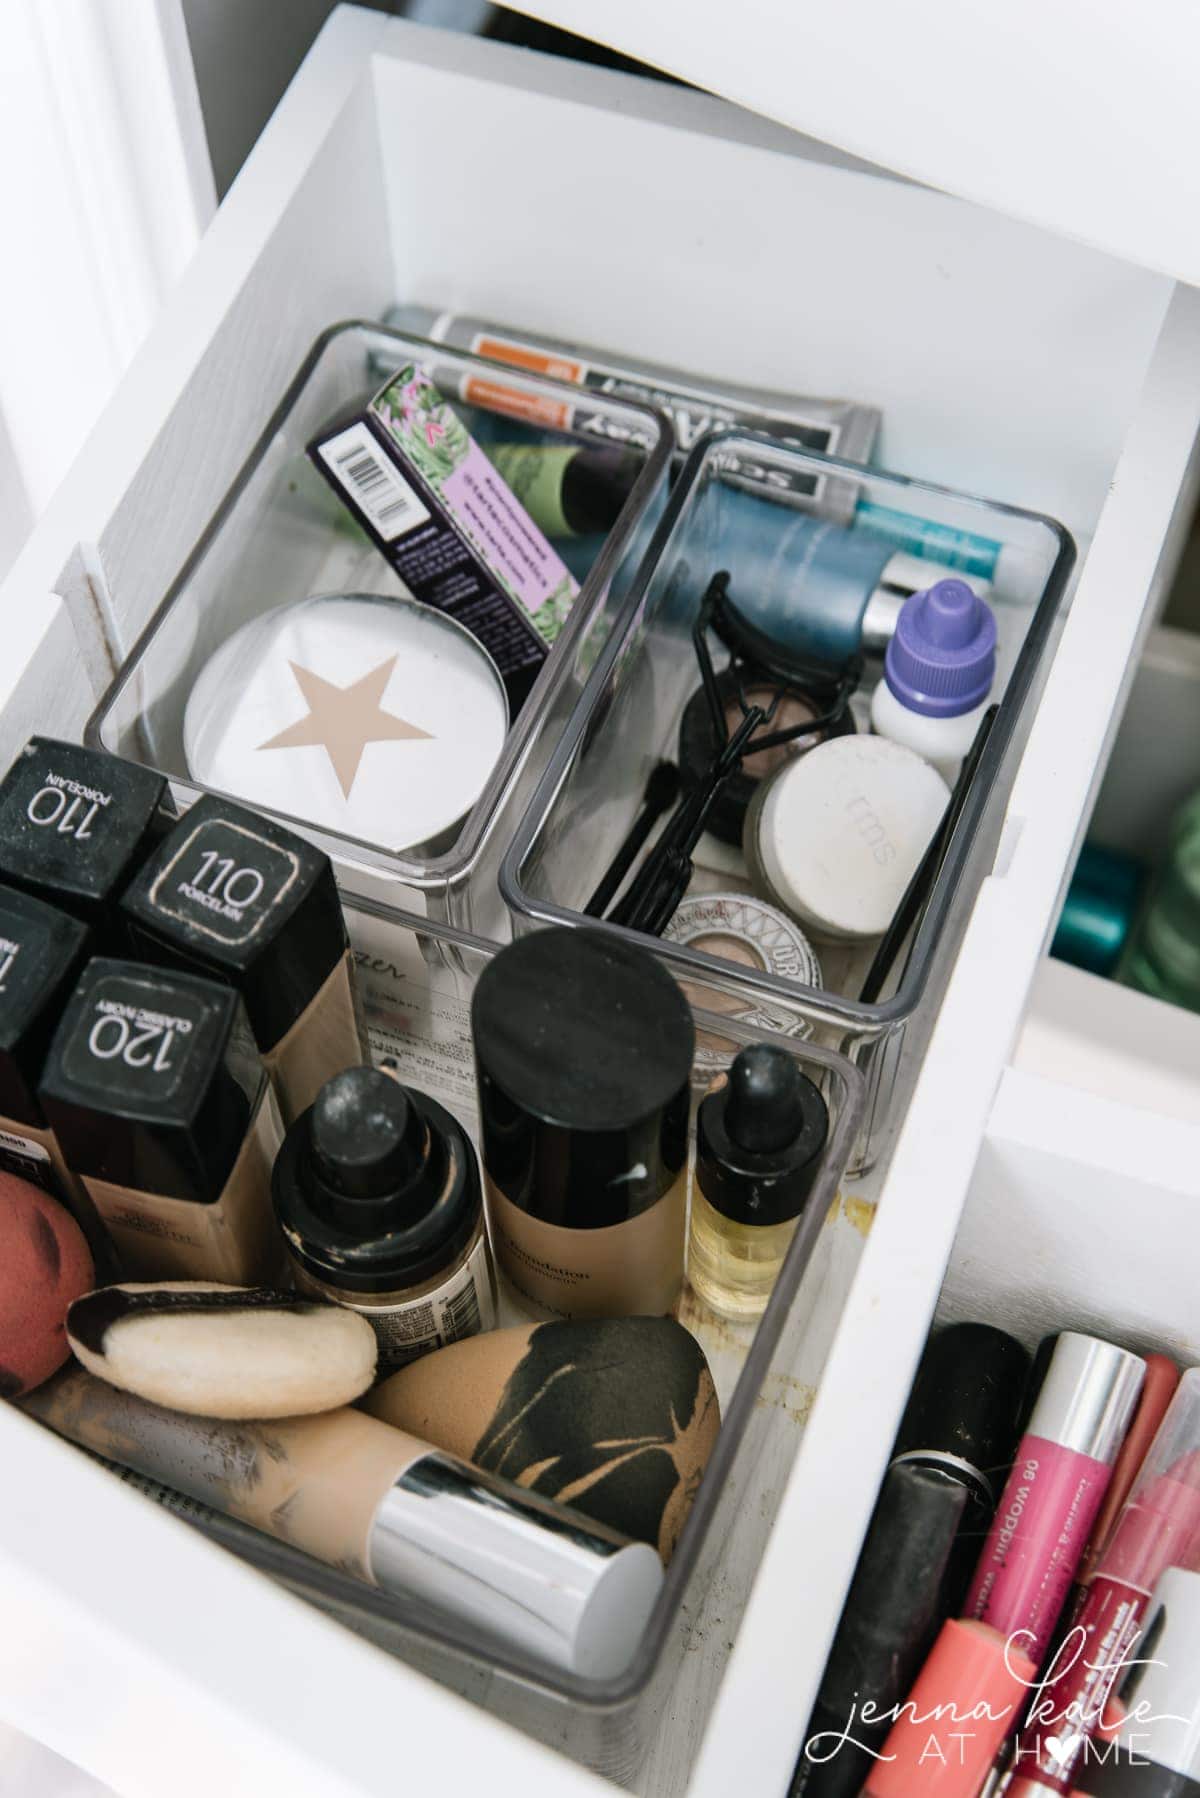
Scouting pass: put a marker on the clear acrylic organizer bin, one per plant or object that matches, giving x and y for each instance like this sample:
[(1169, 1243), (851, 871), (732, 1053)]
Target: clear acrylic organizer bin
[(281, 534), (628, 720), (416, 979)]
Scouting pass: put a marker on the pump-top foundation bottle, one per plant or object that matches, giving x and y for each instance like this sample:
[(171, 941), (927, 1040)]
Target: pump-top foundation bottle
[(377, 1192), (583, 1052), (169, 1122), (244, 900)]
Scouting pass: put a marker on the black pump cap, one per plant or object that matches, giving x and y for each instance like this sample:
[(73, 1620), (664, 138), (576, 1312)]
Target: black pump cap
[(760, 1138), (376, 1187), (41, 949), (235, 894), (137, 1086), (75, 822), (583, 1054), (965, 1406)]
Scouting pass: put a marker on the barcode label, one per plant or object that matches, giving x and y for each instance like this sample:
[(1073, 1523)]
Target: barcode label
[(360, 465)]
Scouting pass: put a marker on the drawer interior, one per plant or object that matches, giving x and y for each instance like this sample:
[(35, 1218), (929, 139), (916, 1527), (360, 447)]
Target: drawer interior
[(1092, 1034), (635, 215), (1007, 362)]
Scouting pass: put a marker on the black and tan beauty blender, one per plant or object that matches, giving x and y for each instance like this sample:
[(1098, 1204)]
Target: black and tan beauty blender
[(224, 1351), (616, 1416)]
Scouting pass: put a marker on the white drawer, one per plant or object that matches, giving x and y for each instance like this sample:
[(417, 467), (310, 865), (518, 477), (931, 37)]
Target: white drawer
[(405, 164)]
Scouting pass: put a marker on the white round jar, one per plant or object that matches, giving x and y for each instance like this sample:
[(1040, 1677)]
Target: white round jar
[(834, 838)]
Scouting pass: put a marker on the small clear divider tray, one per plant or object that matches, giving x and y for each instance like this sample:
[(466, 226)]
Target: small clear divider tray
[(281, 534), (416, 979), (628, 721)]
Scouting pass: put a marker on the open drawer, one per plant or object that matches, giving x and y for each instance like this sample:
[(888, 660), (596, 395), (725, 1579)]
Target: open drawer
[(1007, 361)]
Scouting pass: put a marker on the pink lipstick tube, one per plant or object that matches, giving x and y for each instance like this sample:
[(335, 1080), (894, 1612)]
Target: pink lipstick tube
[(1061, 1473), (1158, 1528)]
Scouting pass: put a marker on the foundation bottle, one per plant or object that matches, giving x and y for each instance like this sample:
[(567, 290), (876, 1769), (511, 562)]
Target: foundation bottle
[(760, 1135), (583, 1054), (74, 824), (41, 952), (168, 1121), (377, 1192), (250, 903)]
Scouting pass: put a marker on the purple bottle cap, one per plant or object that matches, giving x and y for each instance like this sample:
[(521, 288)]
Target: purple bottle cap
[(942, 659)]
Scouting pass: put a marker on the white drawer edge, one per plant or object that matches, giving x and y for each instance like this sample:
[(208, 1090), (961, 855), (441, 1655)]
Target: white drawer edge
[(124, 1661), (776, 1663)]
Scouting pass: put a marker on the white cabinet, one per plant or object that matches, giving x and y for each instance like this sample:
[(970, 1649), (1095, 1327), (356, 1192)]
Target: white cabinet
[(404, 164)]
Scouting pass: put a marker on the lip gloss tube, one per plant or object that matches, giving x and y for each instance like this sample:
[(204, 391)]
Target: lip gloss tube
[(388, 1509), (967, 1698), (1062, 1468), (1158, 1389), (1158, 1528), (1156, 1751)]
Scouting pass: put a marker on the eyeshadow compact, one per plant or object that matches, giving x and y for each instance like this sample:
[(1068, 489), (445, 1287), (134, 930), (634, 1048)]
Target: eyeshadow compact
[(368, 715)]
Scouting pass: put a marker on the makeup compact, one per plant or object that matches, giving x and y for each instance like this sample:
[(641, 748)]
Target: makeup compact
[(835, 837), (376, 718), (254, 905), (583, 1054), (74, 824), (167, 1121), (745, 930), (787, 707)]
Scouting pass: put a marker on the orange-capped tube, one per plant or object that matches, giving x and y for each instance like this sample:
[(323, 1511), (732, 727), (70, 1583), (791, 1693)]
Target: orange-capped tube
[(968, 1698)]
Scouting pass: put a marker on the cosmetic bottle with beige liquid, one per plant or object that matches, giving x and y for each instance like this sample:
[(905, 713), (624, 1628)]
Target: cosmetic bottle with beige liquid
[(168, 1121), (583, 1054), (41, 952), (377, 1192), (74, 824), (250, 903)]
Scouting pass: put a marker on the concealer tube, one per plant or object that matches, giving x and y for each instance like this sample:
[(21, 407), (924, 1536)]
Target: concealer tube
[(388, 1509), (41, 951), (247, 902), (161, 1108)]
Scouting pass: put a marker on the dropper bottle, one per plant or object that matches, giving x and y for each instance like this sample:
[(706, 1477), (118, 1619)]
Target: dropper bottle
[(760, 1136)]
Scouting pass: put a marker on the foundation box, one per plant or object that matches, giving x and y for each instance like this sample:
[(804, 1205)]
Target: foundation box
[(845, 585), (283, 536)]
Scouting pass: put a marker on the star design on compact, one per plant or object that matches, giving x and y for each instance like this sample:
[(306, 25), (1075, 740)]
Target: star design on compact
[(343, 720)]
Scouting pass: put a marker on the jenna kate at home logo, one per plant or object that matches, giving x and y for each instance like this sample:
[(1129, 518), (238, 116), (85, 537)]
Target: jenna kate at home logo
[(1072, 1737)]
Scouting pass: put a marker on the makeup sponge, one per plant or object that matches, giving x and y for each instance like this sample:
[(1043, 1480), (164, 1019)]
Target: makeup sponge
[(224, 1351), (44, 1264), (615, 1416)]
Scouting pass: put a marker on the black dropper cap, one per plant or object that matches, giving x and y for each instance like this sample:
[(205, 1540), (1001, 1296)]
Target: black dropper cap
[(41, 949), (137, 1087), (583, 1054), (760, 1138), (74, 823), (376, 1186), (965, 1406), (249, 902)]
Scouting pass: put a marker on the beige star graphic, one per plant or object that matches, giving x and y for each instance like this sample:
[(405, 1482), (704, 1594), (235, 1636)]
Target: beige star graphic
[(343, 720)]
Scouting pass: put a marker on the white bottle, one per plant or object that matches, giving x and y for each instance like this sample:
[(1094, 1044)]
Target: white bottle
[(938, 675)]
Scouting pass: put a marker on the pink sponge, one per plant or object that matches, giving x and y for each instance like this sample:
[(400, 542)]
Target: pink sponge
[(44, 1266)]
